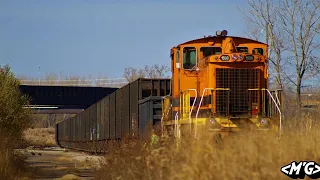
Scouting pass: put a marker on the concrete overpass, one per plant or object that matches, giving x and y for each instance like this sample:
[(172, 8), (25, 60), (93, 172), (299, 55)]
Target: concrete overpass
[(63, 99)]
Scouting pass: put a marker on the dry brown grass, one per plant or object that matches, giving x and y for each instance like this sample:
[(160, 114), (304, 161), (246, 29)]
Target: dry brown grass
[(12, 165), (70, 177), (244, 156), (43, 137), (79, 162)]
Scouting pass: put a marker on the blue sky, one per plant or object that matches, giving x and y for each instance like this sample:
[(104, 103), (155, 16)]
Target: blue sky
[(103, 37)]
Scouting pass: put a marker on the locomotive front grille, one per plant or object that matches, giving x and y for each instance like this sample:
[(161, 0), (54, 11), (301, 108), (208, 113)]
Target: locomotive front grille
[(239, 81)]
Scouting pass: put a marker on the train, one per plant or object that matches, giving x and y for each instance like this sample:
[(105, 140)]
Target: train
[(219, 84)]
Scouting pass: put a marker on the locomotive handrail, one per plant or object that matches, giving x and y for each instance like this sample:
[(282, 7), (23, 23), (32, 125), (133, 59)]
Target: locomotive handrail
[(168, 109), (276, 92), (163, 113), (278, 108), (194, 101), (204, 90), (280, 126), (176, 124)]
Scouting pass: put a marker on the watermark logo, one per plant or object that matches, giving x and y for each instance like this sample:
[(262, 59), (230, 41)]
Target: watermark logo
[(298, 170)]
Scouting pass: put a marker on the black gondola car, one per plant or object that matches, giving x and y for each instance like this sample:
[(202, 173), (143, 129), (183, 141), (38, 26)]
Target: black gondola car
[(124, 113)]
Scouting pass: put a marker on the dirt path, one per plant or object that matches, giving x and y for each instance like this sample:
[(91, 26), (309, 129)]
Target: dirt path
[(54, 163)]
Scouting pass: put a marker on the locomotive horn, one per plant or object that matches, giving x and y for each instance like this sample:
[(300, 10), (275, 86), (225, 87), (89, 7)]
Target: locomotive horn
[(224, 33)]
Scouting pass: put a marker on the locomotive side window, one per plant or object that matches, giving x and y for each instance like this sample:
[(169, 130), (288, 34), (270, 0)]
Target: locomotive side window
[(178, 56), (178, 59), (242, 50), (208, 51), (189, 57), (257, 51)]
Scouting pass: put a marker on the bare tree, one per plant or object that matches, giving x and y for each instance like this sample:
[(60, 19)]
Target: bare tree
[(290, 26), (300, 21), (154, 71), (131, 74), (260, 18)]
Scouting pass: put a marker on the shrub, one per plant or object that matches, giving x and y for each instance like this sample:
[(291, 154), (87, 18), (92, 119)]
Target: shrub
[(14, 119), (41, 137)]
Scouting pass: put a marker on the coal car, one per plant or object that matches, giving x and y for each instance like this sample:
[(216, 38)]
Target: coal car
[(129, 112)]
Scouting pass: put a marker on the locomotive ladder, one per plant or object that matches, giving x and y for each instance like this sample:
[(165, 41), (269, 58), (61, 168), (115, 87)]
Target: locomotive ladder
[(185, 110), (203, 93), (275, 107), (166, 109), (185, 113)]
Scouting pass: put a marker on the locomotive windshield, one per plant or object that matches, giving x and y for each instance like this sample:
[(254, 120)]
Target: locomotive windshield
[(257, 51), (189, 57), (208, 51), (242, 50)]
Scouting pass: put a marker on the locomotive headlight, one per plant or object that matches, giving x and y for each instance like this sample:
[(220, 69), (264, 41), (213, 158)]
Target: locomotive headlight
[(234, 57), (264, 122), (224, 58), (212, 124), (249, 58), (240, 57)]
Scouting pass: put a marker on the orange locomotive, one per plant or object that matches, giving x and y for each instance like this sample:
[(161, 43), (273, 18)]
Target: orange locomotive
[(220, 83)]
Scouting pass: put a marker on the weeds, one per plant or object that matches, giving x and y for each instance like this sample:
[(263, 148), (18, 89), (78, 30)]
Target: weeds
[(12, 165), (246, 155), (44, 137)]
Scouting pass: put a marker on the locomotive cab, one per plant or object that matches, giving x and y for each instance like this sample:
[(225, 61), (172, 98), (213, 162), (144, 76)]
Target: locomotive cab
[(220, 83)]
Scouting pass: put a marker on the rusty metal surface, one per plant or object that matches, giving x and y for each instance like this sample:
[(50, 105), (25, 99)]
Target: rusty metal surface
[(80, 127), (69, 132), (99, 120), (88, 124), (154, 87), (92, 122), (118, 113), (107, 117), (150, 114), (112, 111), (102, 122), (72, 135), (134, 98), (126, 111)]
